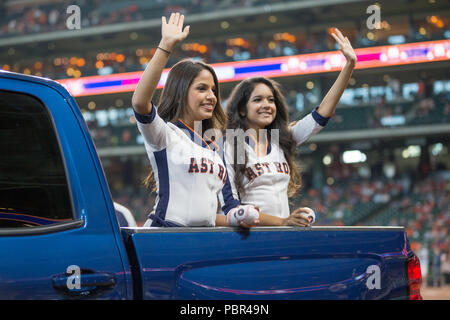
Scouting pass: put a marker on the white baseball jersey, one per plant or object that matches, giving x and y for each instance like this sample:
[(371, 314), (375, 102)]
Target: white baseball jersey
[(188, 171), (267, 177)]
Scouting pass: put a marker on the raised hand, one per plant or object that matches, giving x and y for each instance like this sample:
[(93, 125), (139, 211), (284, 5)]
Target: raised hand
[(172, 31), (345, 46)]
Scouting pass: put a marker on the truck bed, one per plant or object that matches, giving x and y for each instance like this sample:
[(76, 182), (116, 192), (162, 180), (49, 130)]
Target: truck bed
[(269, 262)]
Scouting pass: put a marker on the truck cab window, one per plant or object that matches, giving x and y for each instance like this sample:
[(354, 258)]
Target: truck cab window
[(33, 184)]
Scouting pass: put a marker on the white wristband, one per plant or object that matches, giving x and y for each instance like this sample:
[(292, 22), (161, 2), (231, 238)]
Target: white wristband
[(243, 213)]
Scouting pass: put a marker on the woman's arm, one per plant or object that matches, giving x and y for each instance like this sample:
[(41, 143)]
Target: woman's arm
[(221, 220), (297, 218), (328, 105), (303, 129), (311, 124), (172, 33)]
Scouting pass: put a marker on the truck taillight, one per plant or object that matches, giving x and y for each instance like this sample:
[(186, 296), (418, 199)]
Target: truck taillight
[(414, 278)]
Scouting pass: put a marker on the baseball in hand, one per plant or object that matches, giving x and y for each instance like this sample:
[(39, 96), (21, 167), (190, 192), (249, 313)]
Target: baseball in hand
[(310, 214)]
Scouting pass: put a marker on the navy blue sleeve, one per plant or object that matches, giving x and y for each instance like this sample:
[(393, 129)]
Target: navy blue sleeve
[(319, 119), (229, 201), (146, 118)]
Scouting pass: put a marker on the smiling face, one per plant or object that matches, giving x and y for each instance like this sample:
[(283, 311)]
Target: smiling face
[(201, 98), (261, 108)]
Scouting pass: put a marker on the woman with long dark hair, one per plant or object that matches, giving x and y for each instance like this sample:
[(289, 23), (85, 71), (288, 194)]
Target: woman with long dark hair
[(261, 165), (186, 169)]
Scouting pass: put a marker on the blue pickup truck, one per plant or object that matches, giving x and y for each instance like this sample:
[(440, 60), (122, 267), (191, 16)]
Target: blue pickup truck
[(60, 237)]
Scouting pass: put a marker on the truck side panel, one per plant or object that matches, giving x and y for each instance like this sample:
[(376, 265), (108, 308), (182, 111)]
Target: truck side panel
[(271, 263)]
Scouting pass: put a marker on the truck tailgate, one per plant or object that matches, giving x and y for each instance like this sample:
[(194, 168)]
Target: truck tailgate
[(269, 263)]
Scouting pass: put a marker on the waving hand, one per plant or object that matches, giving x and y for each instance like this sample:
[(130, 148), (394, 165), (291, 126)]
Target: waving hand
[(172, 31), (345, 46)]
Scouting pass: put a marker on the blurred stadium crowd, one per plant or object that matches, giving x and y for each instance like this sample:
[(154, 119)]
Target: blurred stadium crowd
[(410, 188), (113, 128), (31, 18), (25, 18)]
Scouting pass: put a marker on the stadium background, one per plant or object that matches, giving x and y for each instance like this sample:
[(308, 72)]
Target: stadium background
[(384, 159)]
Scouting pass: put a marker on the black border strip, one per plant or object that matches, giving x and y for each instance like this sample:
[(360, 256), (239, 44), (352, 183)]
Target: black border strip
[(56, 227)]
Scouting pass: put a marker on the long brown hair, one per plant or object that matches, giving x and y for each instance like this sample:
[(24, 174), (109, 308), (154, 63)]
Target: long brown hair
[(172, 103), (237, 113)]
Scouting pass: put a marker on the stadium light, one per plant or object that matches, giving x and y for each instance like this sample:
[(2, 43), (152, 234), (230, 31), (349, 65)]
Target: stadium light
[(327, 159), (354, 156), (412, 151), (437, 149)]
